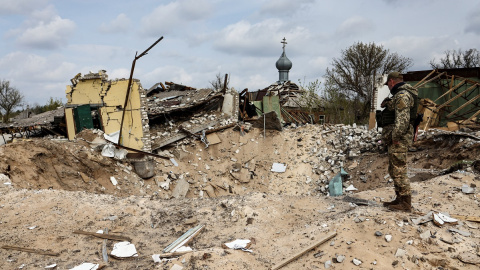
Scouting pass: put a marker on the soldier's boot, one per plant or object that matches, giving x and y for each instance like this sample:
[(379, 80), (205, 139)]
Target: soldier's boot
[(405, 204), (397, 200)]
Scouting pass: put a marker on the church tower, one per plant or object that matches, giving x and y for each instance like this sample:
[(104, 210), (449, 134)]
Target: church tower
[(283, 65)]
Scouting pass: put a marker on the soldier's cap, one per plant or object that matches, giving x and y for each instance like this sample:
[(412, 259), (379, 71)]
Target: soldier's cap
[(393, 75)]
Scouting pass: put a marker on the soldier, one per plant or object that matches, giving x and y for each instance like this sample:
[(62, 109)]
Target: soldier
[(397, 133)]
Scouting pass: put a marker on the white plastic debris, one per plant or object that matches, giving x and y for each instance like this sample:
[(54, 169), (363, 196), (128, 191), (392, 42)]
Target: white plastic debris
[(86, 266), (120, 153), (183, 249), (5, 179), (113, 180), (174, 162), (279, 167), (108, 150), (124, 250), (351, 188), (112, 137), (33, 227), (239, 244), (156, 258), (468, 190), (51, 266)]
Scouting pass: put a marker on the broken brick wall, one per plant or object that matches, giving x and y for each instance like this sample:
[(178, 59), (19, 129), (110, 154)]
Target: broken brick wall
[(107, 97)]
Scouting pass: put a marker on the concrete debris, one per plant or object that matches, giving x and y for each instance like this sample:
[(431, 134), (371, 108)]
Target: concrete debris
[(356, 261), (124, 250), (468, 190), (278, 167), (468, 257), (400, 252)]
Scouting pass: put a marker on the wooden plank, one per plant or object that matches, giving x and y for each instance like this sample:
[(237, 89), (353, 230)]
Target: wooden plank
[(30, 250), (463, 106), (473, 115), (436, 77), (467, 218), (105, 236), (298, 255), (450, 90), (455, 97), (430, 74)]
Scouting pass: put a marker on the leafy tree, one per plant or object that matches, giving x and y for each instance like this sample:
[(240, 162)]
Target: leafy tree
[(10, 98), (52, 104), (338, 106), (458, 59), (219, 81), (354, 73), (310, 100)]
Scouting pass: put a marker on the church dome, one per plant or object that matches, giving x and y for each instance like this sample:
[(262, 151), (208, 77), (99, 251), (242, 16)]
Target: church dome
[(283, 63)]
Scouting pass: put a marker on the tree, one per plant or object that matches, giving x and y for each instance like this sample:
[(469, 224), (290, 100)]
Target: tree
[(219, 81), (310, 100), (354, 72), (10, 98), (52, 104), (458, 59)]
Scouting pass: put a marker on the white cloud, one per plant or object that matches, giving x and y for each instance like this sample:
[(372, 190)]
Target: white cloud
[(37, 77), (47, 35), (420, 49), (284, 7), (355, 26), (44, 29), (175, 16), (10, 7), (260, 39), (120, 24)]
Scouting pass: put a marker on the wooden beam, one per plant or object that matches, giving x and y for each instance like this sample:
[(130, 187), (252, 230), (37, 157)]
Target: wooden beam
[(473, 115), (430, 74), (463, 106), (105, 236), (30, 250), (450, 90), (298, 255), (455, 97), (436, 77)]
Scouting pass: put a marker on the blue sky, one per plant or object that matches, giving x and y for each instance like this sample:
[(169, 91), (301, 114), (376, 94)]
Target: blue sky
[(45, 43)]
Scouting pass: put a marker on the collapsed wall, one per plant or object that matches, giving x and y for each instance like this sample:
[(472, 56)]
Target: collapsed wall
[(93, 101)]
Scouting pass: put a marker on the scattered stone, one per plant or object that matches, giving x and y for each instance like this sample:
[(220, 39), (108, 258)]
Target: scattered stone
[(468, 257), (400, 252), (425, 235), (328, 264), (356, 261), (395, 263), (340, 258), (464, 233), (388, 238), (378, 233)]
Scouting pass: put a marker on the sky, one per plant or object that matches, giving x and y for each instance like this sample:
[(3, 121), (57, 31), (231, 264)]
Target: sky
[(45, 43)]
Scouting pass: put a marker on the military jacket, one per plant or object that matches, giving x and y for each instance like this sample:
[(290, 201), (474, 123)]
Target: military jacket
[(401, 102)]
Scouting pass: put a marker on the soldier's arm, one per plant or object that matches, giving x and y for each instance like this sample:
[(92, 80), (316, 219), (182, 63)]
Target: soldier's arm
[(402, 117)]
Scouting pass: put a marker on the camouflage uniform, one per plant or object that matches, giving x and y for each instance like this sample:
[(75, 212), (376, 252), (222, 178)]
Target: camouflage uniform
[(401, 132)]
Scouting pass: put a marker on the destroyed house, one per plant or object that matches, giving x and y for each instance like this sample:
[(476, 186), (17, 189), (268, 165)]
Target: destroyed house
[(285, 98), (450, 97), (93, 101)]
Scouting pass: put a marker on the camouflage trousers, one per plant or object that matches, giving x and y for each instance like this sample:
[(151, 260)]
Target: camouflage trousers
[(397, 165), (397, 162)]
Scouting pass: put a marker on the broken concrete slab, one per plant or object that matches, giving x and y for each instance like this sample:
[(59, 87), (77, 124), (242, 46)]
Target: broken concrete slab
[(181, 189)]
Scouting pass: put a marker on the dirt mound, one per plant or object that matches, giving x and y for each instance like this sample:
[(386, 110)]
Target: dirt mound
[(57, 187)]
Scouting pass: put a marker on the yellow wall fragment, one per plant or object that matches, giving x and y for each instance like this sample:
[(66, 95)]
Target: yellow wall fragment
[(110, 96)]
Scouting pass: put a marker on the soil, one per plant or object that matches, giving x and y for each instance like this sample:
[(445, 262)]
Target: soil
[(56, 187)]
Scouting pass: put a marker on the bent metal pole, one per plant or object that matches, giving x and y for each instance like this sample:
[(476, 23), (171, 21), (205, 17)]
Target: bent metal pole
[(130, 85)]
